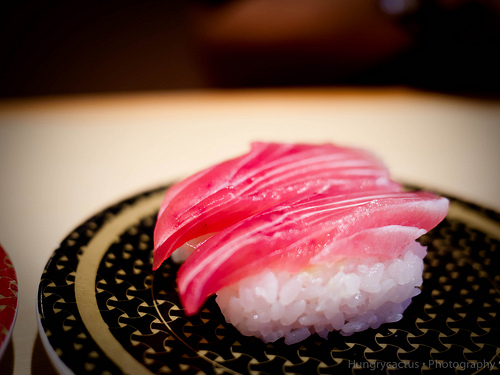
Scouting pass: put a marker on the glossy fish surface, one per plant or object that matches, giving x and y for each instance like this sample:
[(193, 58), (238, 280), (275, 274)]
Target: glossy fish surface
[(271, 173)]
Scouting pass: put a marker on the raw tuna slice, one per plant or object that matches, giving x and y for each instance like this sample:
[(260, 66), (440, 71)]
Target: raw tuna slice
[(269, 174), (304, 232)]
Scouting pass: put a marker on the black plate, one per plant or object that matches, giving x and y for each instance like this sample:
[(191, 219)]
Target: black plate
[(102, 309)]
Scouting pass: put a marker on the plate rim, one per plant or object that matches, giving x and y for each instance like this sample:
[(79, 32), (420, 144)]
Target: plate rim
[(63, 368)]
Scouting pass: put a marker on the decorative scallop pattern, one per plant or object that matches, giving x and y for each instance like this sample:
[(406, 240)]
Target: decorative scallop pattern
[(451, 327)]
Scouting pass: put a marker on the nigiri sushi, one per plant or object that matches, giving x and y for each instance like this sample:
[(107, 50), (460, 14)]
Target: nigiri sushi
[(339, 257)]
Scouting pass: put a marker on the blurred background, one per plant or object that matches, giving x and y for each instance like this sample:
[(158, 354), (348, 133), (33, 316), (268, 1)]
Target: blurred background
[(61, 47)]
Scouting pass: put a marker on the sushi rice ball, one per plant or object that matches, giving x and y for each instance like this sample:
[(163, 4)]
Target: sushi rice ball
[(348, 296), (296, 240)]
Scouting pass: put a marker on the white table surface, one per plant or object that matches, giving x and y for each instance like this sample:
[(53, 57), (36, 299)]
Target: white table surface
[(64, 159)]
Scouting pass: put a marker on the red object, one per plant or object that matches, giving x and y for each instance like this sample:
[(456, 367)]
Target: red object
[(270, 173), (8, 299)]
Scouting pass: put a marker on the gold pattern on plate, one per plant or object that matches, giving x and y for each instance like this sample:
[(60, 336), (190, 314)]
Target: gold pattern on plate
[(127, 219), (85, 280)]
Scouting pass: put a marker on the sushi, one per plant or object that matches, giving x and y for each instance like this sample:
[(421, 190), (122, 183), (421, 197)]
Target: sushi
[(336, 255)]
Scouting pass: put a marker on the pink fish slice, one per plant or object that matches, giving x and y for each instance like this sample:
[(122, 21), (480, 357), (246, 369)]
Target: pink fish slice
[(308, 232), (269, 174)]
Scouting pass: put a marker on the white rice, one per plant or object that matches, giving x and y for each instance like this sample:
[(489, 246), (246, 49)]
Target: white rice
[(349, 296)]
